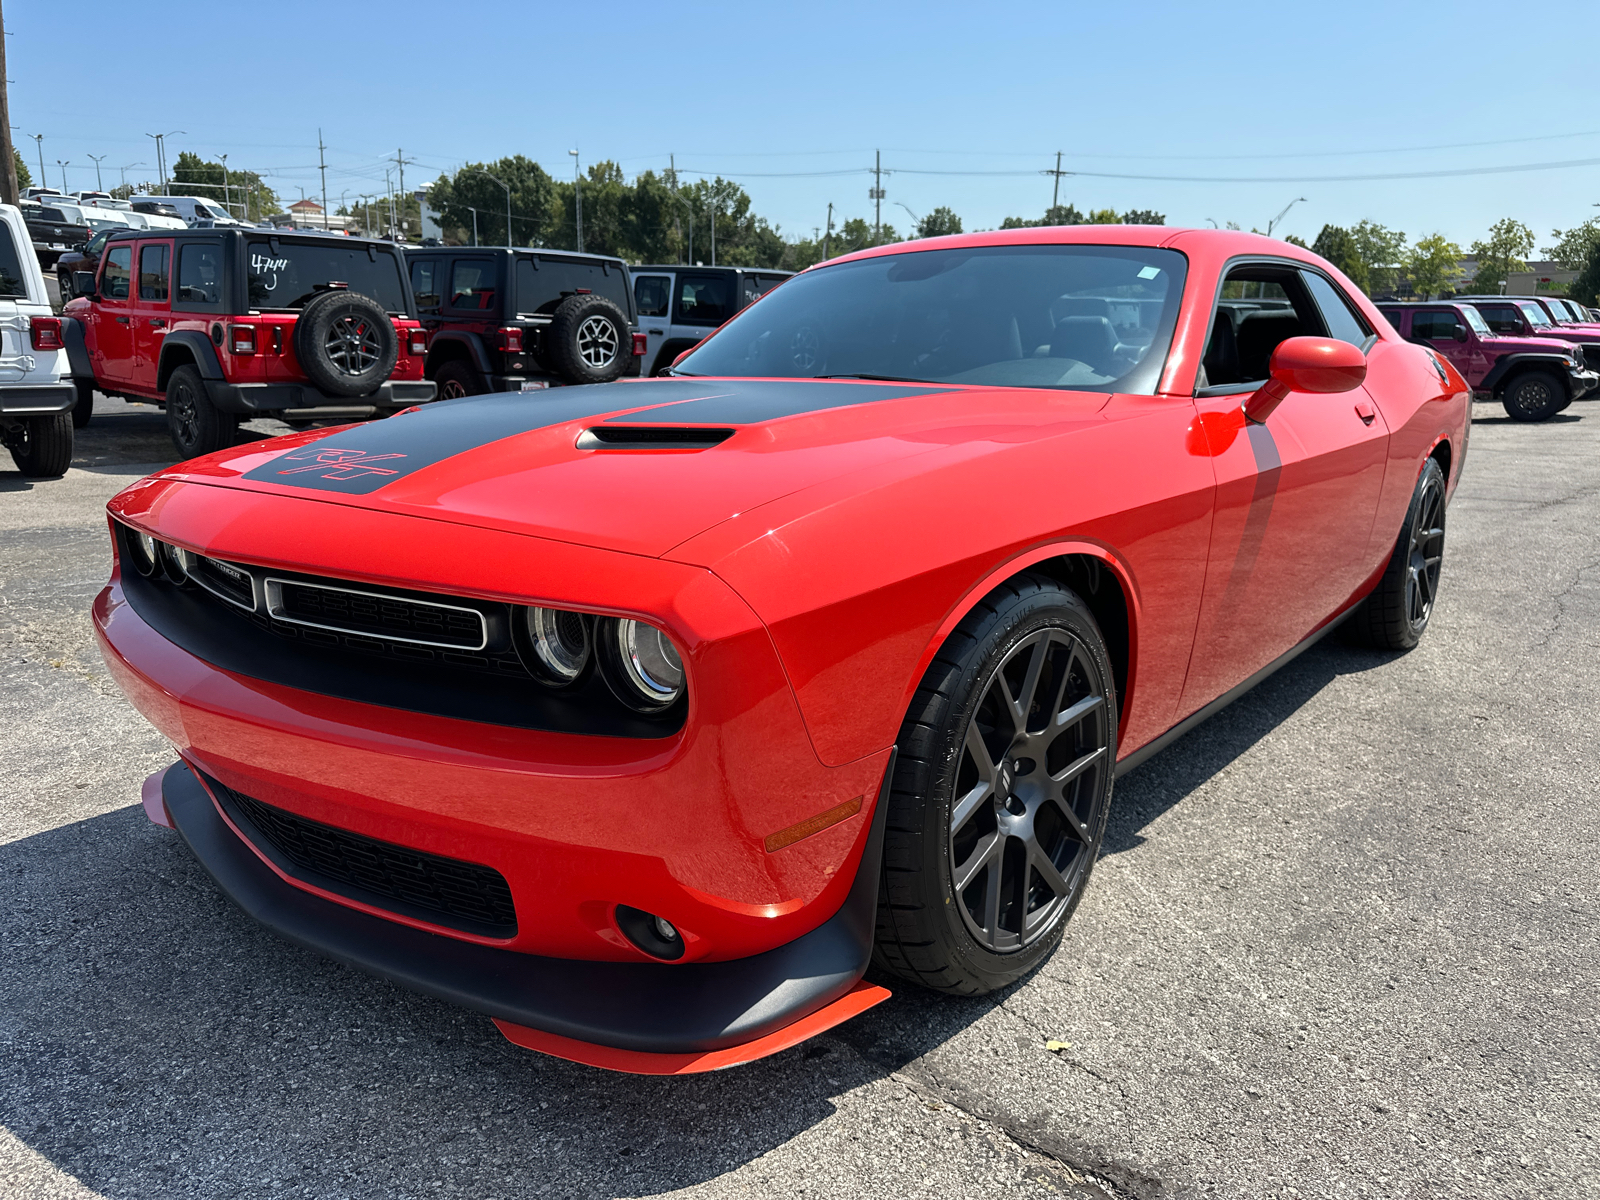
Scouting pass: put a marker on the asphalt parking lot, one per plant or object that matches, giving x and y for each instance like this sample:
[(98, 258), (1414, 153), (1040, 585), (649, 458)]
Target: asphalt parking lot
[(1341, 943)]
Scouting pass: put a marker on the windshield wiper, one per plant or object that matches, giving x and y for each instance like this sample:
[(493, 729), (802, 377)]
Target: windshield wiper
[(876, 378)]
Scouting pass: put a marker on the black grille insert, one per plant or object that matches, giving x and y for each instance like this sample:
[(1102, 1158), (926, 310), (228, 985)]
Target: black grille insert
[(429, 887), (393, 617)]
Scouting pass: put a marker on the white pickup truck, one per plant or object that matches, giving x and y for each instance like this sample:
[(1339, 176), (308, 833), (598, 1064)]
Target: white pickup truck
[(37, 393)]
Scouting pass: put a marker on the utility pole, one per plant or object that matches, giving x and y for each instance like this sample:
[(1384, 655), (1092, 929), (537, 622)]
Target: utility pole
[(322, 165), (99, 187), (876, 196), (227, 193), (38, 140), (1055, 194), (577, 195), (400, 161), (8, 172)]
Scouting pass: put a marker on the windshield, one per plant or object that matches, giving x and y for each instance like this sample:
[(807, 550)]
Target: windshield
[(1475, 319), (1091, 318), (1536, 315), (287, 275)]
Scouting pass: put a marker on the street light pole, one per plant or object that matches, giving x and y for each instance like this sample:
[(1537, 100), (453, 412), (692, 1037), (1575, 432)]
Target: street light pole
[(98, 185), (38, 139), (161, 153), (577, 194), (507, 186), (1273, 223), (62, 163), (227, 194)]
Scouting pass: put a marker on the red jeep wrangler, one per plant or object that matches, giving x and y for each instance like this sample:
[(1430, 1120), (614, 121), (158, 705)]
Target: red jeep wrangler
[(221, 325)]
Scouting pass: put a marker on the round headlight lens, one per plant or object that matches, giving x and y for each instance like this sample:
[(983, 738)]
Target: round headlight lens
[(651, 673), (141, 551), (174, 562), (561, 643)]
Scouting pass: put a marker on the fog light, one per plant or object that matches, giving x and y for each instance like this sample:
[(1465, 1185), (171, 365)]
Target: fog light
[(656, 936)]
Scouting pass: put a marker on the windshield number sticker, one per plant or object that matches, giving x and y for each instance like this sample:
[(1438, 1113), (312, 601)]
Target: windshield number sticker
[(1149, 272)]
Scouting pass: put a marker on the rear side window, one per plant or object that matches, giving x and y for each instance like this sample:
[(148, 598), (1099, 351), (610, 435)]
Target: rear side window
[(119, 269), (653, 295), (1395, 317), (199, 277), (704, 299), (288, 274), (544, 284), (12, 282), (472, 284), (1341, 321), (153, 272), (1502, 318), (1435, 326), (425, 281)]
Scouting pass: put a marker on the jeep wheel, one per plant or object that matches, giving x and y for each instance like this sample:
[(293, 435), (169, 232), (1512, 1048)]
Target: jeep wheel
[(456, 379), (84, 408), (1535, 396), (589, 340), (345, 343), (42, 446), (64, 285), (197, 426)]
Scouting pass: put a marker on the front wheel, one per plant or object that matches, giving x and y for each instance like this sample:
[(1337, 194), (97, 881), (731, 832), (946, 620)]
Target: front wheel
[(196, 425), (1396, 613), (1000, 792), (42, 447), (1535, 396)]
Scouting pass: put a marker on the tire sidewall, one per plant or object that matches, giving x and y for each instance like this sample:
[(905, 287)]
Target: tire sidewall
[(311, 332), (213, 429), (568, 321), (1051, 606), (1555, 403)]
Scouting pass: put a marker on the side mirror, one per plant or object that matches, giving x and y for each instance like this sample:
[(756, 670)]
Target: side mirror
[(1307, 364), (1461, 333), (83, 282)]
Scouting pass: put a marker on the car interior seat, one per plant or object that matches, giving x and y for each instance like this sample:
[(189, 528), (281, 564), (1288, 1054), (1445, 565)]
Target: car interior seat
[(1221, 361), (1258, 336), (1090, 340)]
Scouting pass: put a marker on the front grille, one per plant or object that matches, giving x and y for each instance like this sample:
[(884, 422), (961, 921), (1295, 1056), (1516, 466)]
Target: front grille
[(395, 618), (445, 891), (230, 582)]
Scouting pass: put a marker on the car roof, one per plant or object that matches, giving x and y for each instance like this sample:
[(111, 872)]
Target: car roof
[(697, 267), (296, 235), (579, 254)]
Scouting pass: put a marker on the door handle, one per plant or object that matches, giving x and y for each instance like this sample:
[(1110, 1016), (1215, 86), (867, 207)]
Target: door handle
[(158, 322), (1366, 412), (657, 332), (122, 320)]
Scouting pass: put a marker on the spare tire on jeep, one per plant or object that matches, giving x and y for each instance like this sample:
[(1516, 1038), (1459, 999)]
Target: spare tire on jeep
[(345, 343), (588, 340)]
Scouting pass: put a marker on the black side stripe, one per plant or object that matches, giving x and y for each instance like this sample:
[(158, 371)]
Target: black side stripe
[(1269, 466)]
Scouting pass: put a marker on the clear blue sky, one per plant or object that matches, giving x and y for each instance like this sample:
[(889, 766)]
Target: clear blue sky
[(762, 93)]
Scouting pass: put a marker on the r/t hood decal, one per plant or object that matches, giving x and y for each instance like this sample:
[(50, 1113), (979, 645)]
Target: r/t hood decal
[(359, 461)]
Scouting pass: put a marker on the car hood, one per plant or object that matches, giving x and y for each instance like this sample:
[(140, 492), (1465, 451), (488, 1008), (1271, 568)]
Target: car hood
[(528, 464), (1535, 344)]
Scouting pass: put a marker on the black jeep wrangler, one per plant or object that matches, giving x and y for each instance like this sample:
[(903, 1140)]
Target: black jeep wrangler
[(503, 320)]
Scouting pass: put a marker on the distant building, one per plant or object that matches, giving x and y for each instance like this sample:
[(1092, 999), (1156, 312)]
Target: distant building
[(308, 214)]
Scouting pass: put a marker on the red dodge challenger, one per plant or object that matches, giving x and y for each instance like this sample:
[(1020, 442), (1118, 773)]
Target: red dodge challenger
[(642, 717)]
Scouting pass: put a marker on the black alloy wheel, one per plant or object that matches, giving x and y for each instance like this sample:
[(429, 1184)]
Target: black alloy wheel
[(456, 379), (345, 343), (1396, 613), (1534, 396), (1000, 794), (351, 344), (195, 424)]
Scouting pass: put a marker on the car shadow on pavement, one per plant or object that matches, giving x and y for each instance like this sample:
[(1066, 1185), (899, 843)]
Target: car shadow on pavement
[(1177, 771)]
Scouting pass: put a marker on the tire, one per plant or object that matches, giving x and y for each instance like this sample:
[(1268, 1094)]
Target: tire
[(42, 448), (1534, 396), (84, 408), (345, 343), (196, 425), (973, 939), (588, 340), (64, 285), (1395, 614), (456, 378)]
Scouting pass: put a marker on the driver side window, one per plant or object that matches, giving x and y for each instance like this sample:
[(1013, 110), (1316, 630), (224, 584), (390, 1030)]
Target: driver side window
[(1260, 306), (118, 271)]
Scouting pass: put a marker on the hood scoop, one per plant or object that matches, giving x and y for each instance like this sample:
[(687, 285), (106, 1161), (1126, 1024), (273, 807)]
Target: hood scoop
[(651, 437)]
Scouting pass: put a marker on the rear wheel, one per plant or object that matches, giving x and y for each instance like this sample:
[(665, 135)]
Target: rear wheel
[(1534, 396), (42, 446), (1000, 792), (457, 379), (1395, 614), (197, 426)]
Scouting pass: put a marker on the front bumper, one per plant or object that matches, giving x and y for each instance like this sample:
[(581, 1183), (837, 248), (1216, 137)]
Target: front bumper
[(33, 401), (245, 398), (636, 1016), (1583, 382)]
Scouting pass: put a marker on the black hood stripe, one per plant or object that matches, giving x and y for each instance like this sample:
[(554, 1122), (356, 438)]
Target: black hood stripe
[(359, 461)]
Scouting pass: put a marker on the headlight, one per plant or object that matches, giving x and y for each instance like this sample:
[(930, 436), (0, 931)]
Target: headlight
[(561, 644), (141, 548), (642, 665), (174, 562)]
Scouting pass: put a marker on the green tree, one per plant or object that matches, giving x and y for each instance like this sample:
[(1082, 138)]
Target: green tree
[(1574, 246), (1381, 251), (1060, 214), (1104, 216), (1503, 251), (1143, 216), (533, 199), (940, 222), (24, 179), (1433, 265), (1585, 289), (244, 193), (1337, 246), (1296, 241)]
